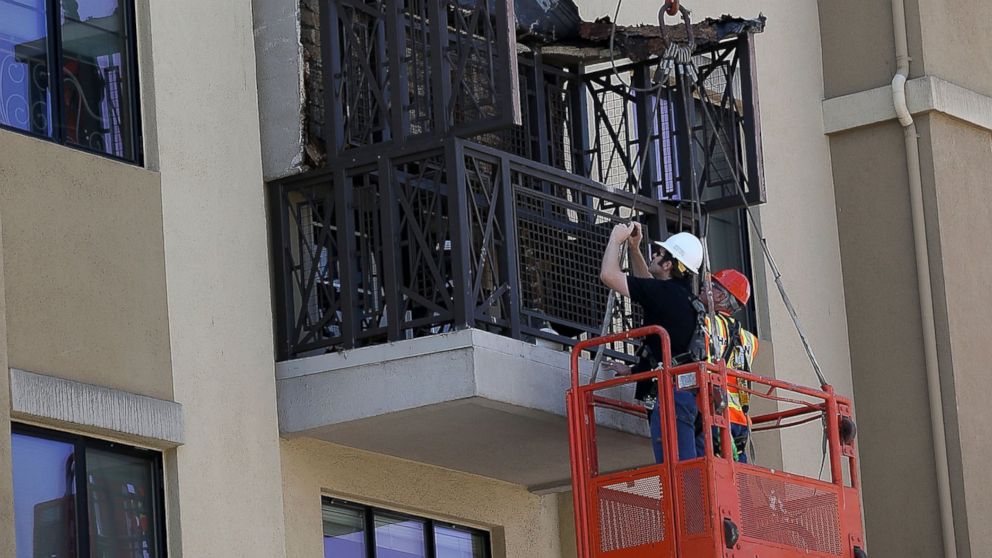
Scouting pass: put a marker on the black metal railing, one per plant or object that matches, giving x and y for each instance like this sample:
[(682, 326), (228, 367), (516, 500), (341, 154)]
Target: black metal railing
[(459, 236), (407, 73)]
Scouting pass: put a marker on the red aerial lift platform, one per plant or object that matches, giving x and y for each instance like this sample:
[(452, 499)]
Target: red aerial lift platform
[(711, 506)]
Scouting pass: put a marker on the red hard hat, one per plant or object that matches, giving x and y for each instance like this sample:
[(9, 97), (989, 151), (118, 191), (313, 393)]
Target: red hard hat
[(736, 284)]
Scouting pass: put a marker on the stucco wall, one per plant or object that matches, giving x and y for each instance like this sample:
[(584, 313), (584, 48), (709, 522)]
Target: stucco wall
[(962, 165), (859, 45), (886, 341), (217, 276), (85, 268), (523, 525), (956, 42), (6, 481)]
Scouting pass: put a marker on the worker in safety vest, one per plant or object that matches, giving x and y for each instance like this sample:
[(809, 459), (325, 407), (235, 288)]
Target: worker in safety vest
[(736, 346), (660, 286)]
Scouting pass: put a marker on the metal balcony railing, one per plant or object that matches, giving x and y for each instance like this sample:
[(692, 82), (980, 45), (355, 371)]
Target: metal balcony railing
[(423, 243)]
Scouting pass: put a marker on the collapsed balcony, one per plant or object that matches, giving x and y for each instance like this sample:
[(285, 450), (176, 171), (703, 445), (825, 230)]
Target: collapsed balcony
[(460, 186)]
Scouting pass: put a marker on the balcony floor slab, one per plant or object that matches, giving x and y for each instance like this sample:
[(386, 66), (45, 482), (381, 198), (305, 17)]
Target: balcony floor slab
[(471, 401)]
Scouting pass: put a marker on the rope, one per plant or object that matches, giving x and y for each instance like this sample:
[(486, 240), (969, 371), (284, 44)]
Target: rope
[(674, 56), (793, 314)]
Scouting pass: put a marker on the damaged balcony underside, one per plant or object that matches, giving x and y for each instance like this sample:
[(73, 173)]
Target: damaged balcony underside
[(641, 42)]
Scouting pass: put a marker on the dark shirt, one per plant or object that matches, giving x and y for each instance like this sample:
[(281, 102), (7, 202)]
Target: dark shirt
[(669, 305)]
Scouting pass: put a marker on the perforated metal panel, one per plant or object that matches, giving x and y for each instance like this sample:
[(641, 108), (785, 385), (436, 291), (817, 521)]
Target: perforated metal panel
[(693, 501), (779, 511), (631, 514)]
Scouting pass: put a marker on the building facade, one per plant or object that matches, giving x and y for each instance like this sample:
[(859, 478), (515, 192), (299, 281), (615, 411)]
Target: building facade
[(233, 367)]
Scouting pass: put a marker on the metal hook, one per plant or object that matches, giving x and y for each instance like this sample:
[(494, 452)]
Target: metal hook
[(672, 7)]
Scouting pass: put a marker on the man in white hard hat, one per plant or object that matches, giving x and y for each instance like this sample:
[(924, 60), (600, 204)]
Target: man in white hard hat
[(661, 288)]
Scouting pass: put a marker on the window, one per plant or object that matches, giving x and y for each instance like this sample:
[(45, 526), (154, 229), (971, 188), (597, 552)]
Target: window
[(92, 103), (119, 514), (357, 531)]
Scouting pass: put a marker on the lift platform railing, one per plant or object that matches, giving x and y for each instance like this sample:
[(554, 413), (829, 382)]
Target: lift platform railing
[(711, 506)]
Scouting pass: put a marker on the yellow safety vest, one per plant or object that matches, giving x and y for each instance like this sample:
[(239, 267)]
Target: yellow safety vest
[(740, 358)]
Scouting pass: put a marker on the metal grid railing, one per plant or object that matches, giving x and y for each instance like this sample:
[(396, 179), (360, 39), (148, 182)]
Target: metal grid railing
[(776, 510), (631, 513), (463, 235), (408, 72)]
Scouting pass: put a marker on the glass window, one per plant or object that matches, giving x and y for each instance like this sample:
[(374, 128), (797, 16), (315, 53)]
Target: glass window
[(398, 537), (344, 532), (44, 501), (458, 542), (118, 515), (120, 491), (357, 531), (93, 45)]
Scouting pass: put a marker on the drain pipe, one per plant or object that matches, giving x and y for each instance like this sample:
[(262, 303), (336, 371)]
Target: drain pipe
[(923, 277)]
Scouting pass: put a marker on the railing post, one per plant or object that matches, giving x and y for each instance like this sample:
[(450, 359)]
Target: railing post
[(392, 268), (510, 249), (685, 136), (752, 120), (461, 234), (344, 196), (399, 122), (279, 235), (330, 37), (539, 113), (441, 86), (581, 157)]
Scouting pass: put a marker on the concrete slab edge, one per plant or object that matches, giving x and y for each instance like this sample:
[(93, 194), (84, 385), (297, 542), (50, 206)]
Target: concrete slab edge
[(113, 412)]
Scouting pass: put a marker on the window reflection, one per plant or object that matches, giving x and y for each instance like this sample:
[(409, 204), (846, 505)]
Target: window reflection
[(90, 101), (95, 111), (347, 527), (25, 102), (458, 543), (397, 537), (344, 533), (44, 507), (119, 490)]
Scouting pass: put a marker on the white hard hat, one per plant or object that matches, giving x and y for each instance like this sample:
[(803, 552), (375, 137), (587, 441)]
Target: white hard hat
[(686, 248)]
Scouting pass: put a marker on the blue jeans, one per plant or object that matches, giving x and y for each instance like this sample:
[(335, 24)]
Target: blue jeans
[(690, 444), (738, 432)]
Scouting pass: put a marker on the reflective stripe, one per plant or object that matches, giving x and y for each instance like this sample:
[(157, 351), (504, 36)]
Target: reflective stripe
[(741, 358)]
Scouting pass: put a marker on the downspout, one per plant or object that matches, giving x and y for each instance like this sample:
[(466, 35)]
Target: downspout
[(923, 277)]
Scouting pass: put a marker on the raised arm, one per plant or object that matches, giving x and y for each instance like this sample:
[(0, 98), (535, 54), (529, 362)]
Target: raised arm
[(638, 266), (609, 272)]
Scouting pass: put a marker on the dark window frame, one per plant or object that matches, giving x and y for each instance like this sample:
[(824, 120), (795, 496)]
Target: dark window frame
[(430, 534), (53, 38), (80, 444)]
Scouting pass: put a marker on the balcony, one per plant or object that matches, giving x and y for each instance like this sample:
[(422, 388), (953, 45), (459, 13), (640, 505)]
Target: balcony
[(432, 272)]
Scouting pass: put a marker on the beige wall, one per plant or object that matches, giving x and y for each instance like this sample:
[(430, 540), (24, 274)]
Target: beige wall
[(220, 321), (85, 269), (523, 525), (962, 165), (957, 43), (886, 341), (6, 482), (859, 48)]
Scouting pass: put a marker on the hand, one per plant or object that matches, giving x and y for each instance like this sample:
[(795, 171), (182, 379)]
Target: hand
[(618, 368), (636, 236), (620, 233)]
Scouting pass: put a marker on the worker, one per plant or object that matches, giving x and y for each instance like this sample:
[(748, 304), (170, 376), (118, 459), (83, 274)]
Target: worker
[(728, 341), (661, 288)]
